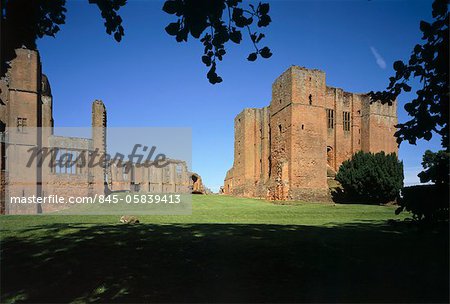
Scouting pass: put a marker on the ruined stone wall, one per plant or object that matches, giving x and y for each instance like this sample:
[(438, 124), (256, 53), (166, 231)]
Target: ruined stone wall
[(237, 182), (308, 161), (196, 184), (346, 136), (298, 146), (75, 184), (4, 97), (228, 183), (120, 178), (155, 179), (330, 105), (252, 150), (172, 178), (99, 124), (47, 110), (82, 180), (343, 144), (263, 153), (356, 123), (280, 136), (245, 142), (29, 121), (26, 111), (4, 92), (379, 121), (23, 107)]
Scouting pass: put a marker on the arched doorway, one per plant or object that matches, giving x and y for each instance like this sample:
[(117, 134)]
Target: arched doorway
[(330, 162), (330, 157)]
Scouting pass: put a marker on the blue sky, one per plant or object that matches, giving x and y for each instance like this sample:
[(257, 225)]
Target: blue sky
[(150, 80)]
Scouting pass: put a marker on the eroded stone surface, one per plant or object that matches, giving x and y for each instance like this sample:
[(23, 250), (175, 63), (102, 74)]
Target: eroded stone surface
[(26, 101), (286, 151)]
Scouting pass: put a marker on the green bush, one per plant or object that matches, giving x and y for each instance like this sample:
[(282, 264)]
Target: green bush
[(436, 167), (371, 178), (426, 202), (430, 202)]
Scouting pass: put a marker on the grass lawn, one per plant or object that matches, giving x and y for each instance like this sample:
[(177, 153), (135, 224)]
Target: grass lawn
[(228, 250)]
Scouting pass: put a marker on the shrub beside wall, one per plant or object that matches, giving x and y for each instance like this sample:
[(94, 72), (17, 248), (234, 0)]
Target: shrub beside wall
[(371, 178)]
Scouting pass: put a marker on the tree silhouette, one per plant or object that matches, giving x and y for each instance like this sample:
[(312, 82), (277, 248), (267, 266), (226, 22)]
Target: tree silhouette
[(429, 63), (204, 18), (436, 167), (214, 22)]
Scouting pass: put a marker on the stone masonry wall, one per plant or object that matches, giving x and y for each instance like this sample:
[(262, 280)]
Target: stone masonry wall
[(286, 151), (26, 121)]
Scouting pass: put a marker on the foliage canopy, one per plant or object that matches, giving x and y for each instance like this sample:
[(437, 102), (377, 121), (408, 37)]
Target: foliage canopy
[(429, 63), (436, 167), (372, 178), (214, 22)]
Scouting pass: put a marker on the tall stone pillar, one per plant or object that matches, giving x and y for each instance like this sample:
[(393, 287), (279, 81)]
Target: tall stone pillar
[(173, 180), (98, 171)]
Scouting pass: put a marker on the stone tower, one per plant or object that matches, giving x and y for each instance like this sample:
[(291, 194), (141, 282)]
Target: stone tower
[(22, 121), (288, 150), (99, 171), (298, 144)]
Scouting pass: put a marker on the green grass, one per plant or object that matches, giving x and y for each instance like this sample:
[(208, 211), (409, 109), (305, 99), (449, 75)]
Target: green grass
[(227, 210), (228, 250)]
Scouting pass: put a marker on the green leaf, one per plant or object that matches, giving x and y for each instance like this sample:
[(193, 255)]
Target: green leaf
[(206, 60), (261, 36), (212, 75), (236, 36), (265, 52), (173, 28), (427, 136), (406, 88), (252, 57), (425, 26), (264, 21), (117, 36), (171, 7), (399, 65), (264, 8)]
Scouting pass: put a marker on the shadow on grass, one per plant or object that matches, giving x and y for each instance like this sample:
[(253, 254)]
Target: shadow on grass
[(340, 197), (225, 263)]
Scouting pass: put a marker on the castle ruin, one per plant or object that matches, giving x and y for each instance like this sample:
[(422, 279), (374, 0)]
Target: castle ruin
[(26, 121), (286, 151)]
